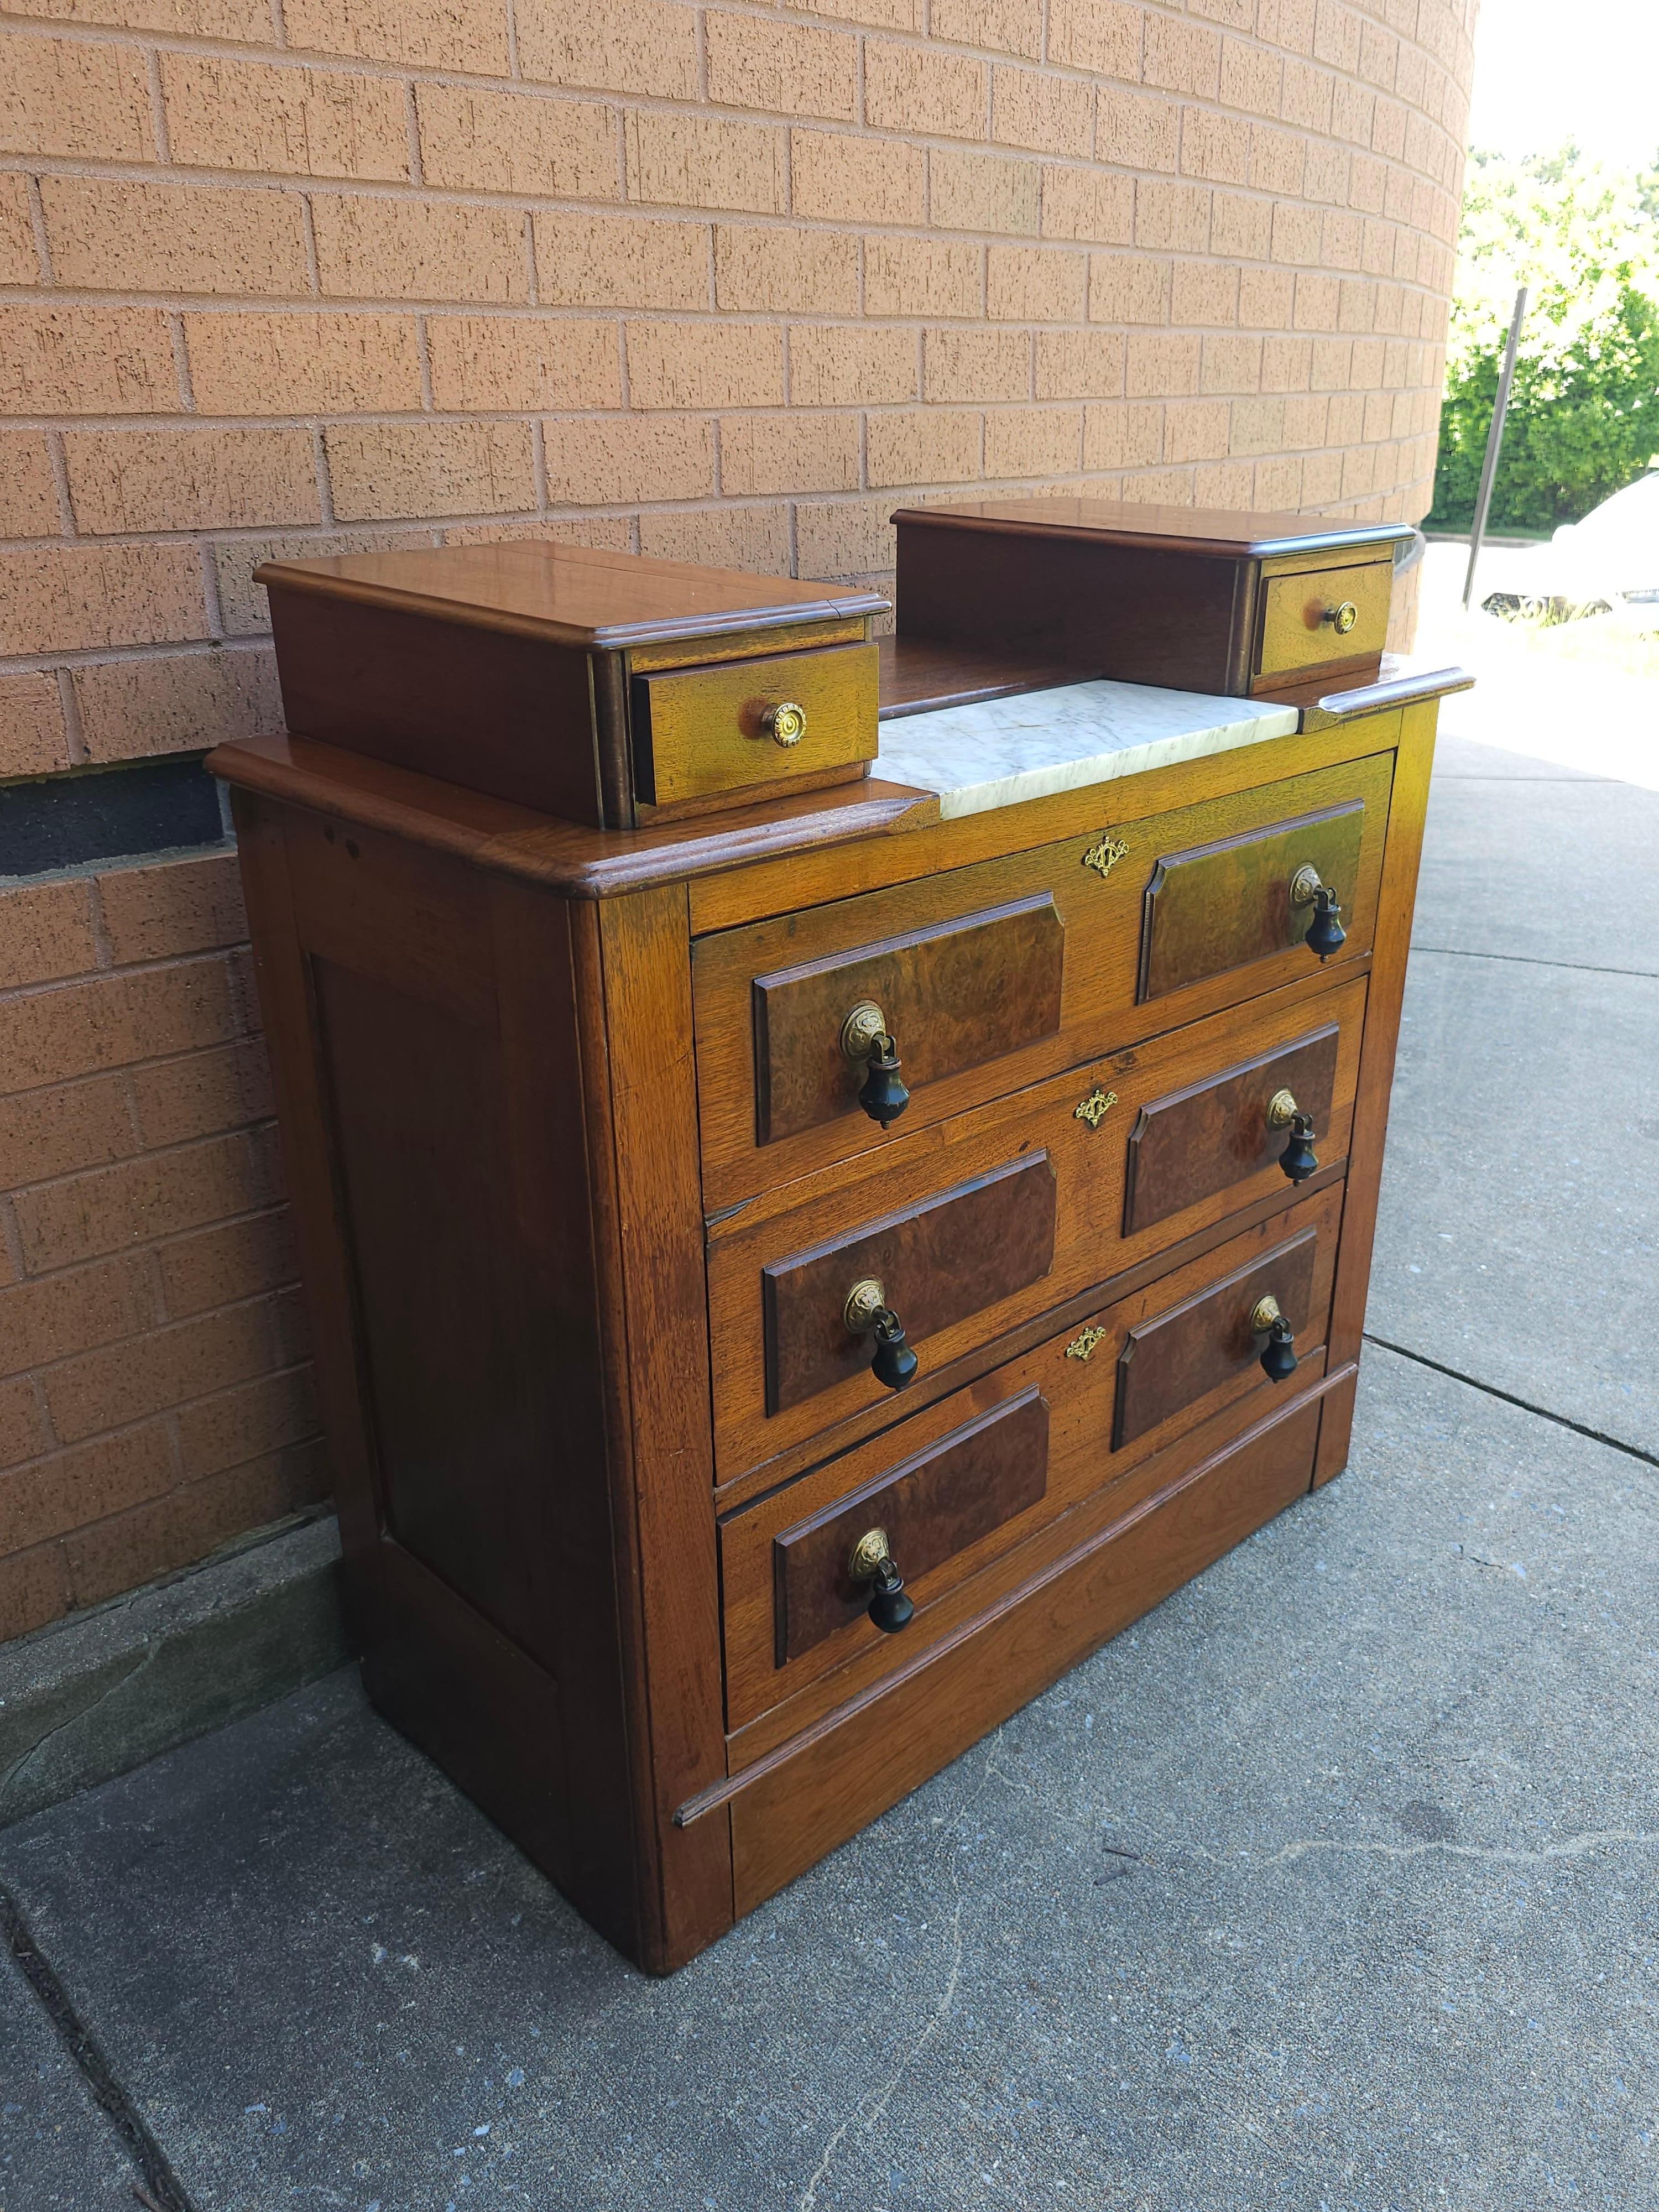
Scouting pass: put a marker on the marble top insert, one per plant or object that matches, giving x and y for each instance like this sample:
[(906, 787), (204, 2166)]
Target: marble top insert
[(1000, 752)]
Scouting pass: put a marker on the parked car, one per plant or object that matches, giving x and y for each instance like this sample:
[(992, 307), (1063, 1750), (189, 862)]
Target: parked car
[(1610, 559)]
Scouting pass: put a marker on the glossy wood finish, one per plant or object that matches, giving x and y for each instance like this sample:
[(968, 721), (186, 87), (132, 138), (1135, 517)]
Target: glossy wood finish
[(1193, 1142), (1215, 533), (1297, 629), (699, 732), (898, 1222), (1224, 905), (1219, 908), (930, 1506), (954, 994), (940, 1262), (1078, 1388), (919, 676)]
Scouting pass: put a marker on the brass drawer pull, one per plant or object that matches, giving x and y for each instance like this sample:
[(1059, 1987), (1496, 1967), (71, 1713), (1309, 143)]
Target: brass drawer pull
[(864, 1037), (786, 723), (1298, 1158), (867, 1313), (1326, 934), (871, 1562), (1341, 618), (1278, 1354)]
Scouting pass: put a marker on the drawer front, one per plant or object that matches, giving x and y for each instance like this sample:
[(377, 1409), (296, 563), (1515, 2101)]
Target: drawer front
[(700, 732), (960, 1485), (992, 976), (1326, 615), (978, 1228)]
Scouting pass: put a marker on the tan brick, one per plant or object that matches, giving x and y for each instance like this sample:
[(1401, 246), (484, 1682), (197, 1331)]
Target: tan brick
[(1322, 479), (611, 46), (33, 740), (1162, 488), (230, 114), (923, 276), (70, 1125), (925, 92), (74, 98), (248, 362), (1304, 100), (1078, 364), (1033, 441), (753, 538), (1258, 426), (1035, 284), (85, 360), (145, 1374), (490, 363), (1173, 217), (28, 491), (190, 479), (1265, 298), (1278, 160), (1093, 206), (1161, 366), (788, 68), (459, 34), (1182, 57), (1105, 437), (232, 1425), (1230, 364), (985, 191), (1137, 131), (1128, 288), (201, 1093), (708, 364), (789, 452), (1102, 35), (55, 598), (1204, 292), (1012, 26), (162, 910), (1050, 114), (845, 537), (834, 365), (1236, 14), (74, 1312), (1306, 420), (862, 181), (1195, 430), (924, 445), (614, 460), (1240, 227), (71, 1030), (621, 261), (786, 269), (380, 469), (68, 1490), (154, 1194), (703, 161), (248, 20), (111, 236), (235, 1260), (419, 249), (20, 264), (1226, 484), (517, 141), (178, 703), (1215, 146), (606, 533), (46, 932), (976, 365), (1252, 77), (1296, 234), (243, 607), (35, 1589)]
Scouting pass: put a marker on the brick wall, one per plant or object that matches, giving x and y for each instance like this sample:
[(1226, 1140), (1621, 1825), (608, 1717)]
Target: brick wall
[(718, 283)]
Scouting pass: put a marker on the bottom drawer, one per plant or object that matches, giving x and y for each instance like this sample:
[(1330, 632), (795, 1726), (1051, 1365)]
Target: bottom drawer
[(818, 1790), (963, 1483)]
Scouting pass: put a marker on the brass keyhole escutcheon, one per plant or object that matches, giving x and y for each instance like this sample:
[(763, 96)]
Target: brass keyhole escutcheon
[(1095, 1107), (1264, 1314), (1103, 855), (1281, 1110), (862, 1031), (1304, 886), (1341, 618), (785, 723), (1081, 1347), (864, 1302)]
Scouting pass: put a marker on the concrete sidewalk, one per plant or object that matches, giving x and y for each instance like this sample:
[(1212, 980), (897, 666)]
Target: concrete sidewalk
[(1329, 1886)]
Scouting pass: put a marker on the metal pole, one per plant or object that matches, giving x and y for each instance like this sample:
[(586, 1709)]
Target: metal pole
[(1494, 441)]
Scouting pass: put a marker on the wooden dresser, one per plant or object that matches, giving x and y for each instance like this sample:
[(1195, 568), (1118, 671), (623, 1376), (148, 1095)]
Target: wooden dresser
[(788, 1281)]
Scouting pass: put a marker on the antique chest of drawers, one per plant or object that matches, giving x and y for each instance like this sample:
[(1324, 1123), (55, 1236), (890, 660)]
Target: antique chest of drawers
[(791, 1277)]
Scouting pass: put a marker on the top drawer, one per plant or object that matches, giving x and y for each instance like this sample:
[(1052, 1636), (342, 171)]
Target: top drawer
[(700, 733), (992, 976), (1325, 616)]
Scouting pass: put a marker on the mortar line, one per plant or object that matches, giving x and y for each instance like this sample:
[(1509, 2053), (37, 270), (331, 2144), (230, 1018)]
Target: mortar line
[(86, 2055), (1527, 960), (1509, 1398)]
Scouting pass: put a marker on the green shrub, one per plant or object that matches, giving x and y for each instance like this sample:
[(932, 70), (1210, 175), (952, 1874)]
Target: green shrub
[(1583, 418)]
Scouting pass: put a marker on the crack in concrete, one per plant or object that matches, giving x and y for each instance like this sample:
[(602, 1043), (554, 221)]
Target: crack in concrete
[(21, 1766), (1572, 1847), (1509, 1398), (1528, 960)]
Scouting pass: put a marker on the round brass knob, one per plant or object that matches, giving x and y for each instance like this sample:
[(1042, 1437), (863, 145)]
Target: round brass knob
[(785, 723), (1341, 618)]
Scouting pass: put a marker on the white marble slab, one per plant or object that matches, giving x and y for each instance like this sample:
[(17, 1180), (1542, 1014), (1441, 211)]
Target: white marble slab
[(998, 751)]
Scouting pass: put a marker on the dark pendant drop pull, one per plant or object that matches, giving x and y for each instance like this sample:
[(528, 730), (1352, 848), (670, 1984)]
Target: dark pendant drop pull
[(871, 1562), (1299, 1159), (1278, 1353), (1326, 934), (883, 1094), (895, 1364)]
